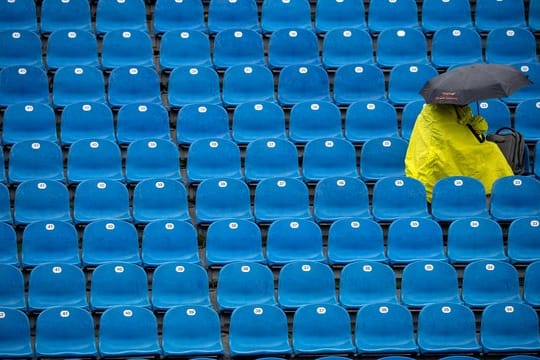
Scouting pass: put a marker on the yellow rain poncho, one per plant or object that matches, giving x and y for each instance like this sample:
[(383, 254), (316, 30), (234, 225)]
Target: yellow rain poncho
[(442, 145)]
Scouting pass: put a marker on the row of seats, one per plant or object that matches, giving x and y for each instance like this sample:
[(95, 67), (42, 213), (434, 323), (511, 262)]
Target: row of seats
[(263, 330), (273, 15)]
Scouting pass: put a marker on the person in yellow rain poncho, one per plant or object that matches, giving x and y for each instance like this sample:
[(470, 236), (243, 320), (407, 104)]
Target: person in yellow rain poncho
[(443, 144)]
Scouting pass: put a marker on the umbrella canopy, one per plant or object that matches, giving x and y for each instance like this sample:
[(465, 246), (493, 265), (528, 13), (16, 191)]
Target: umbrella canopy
[(470, 83)]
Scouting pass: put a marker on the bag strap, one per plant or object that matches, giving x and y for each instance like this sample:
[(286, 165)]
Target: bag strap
[(480, 137)]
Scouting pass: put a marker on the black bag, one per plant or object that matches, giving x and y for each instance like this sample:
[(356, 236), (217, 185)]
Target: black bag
[(512, 145)]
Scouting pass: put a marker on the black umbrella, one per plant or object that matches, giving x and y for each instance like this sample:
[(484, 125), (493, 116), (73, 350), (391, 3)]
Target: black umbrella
[(470, 83)]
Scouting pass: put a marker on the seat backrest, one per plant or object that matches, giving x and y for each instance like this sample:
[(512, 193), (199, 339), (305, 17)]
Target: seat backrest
[(86, 121), (94, 159), (336, 197), (455, 46), (268, 158), (41, 200), (278, 14), (22, 47), (382, 157), (258, 120), (184, 47), (223, 14), (510, 45), (532, 91), (193, 85), (398, 197), (33, 160), (175, 15), (346, 46), (106, 241), (100, 199), (310, 120), (440, 14), (156, 199), (213, 158), (534, 15), (74, 84), (324, 157), (138, 121), (491, 14), (515, 196), (201, 121), (297, 83), (293, 47), (331, 15), (15, 337), (126, 47), (408, 117), (222, 198), (405, 82), (125, 15), (253, 83), (58, 14), (133, 84), (28, 121), (20, 84), (18, 15), (12, 294), (152, 159), (354, 83), (369, 119), (8, 252), (457, 197), (531, 284), (71, 47), (397, 46), (238, 47), (524, 120), (5, 204), (277, 198), (521, 234), (497, 112), (384, 14)]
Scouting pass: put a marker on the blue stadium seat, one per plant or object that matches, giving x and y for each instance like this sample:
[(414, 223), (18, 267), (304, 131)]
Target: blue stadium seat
[(425, 282), (268, 158), (152, 159), (123, 15), (293, 47), (177, 284), (222, 198), (347, 46), (253, 83), (259, 330), (515, 196), (397, 46), (447, 328), (385, 14), (94, 159), (279, 14), (281, 198), (382, 157), (18, 15), (35, 160), (201, 121), (509, 328), (354, 83), (305, 282), (337, 197), (192, 330), (536, 156), (65, 332), (325, 157), (139, 121), (311, 120), (15, 339), (74, 84), (71, 48), (532, 71), (244, 283), (533, 18), (238, 47), (128, 331), (471, 239), (492, 14), (367, 282), (258, 120), (409, 114), (332, 14), (487, 282), (86, 121), (100, 199), (531, 284), (5, 204), (8, 252), (157, 199), (458, 197), (193, 85), (28, 121), (3, 178), (20, 84), (294, 240), (22, 48), (41, 200), (405, 82), (440, 14), (169, 240), (453, 46), (229, 241), (384, 328), (12, 294), (510, 46), (351, 239), (56, 284), (126, 47), (105, 241), (49, 241), (133, 84), (365, 120), (297, 83), (114, 284), (322, 329), (399, 197), (59, 15), (496, 112), (521, 246), (524, 120), (184, 47), (415, 239), (171, 15), (226, 14)]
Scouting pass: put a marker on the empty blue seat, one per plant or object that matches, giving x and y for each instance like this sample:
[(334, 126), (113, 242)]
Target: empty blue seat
[(157, 199), (515, 196), (311, 120), (385, 14), (510, 45), (35, 160), (532, 91), (133, 84), (21, 47), (382, 157), (351, 239), (65, 332), (294, 240), (126, 47), (123, 15), (384, 328), (281, 198), (138, 121), (297, 83), (15, 340), (28, 121), (222, 198), (86, 121), (440, 14), (471, 239), (226, 14), (496, 111), (365, 120), (71, 48), (268, 158), (306, 282), (18, 15), (332, 14), (346, 46), (415, 239), (458, 197), (49, 241), (534, 15), (524, 120), (367, 282), (41, 200), (238, 47), (325, 157), (56, 284), (178, 15), (259, 330), (5, 204), (521, 246), (491, 14), (397, 46), (244, 283), (9, 252), (100, 199), (354, 82), (74, 84), (453, 46), (201, 121), (169, 240), (152, 159), (12, 294), (322, 329), (19, 84), (192, 330), (105, 241), (293, 47), (253, 83), (408, 117), (337, 197), (258, 120), (58, 14), (193, 85), (509, 328), (399, 197), (94, 159), (531, 284), (278, 14), (184, 47), (405, 82), (447, 328), (177, 284), (128, 331)]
